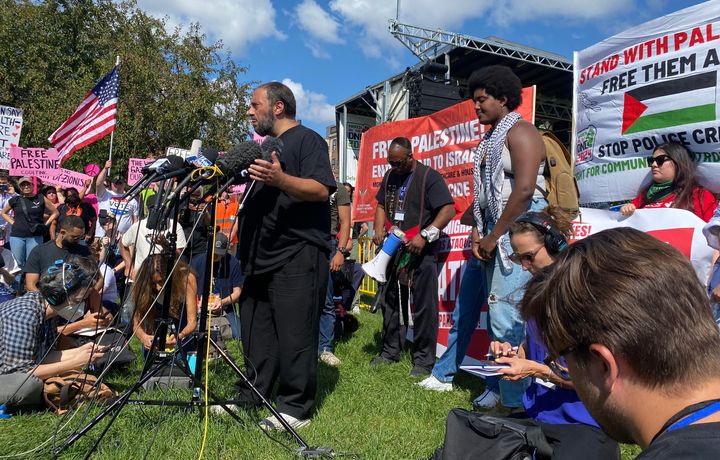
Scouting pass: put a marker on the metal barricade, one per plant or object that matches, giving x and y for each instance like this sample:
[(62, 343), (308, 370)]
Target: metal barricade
[(368, 286)]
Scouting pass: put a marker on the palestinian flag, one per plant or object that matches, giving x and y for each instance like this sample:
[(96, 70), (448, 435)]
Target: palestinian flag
[(670, 103)]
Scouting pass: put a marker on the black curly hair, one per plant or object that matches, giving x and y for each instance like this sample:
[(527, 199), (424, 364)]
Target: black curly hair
[(498, 81)]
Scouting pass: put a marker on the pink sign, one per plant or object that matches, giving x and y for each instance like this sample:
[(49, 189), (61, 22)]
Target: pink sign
[(66, 178), (258, 138), (92, 170), (135, 166), (37, 162)]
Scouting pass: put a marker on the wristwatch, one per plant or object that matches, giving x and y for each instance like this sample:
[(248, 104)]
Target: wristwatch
[(430, 234), (344, 251)]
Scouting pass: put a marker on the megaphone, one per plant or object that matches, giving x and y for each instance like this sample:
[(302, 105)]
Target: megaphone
[(377, 267)]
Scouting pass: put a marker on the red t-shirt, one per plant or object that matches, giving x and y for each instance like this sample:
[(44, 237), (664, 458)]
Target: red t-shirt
[(704, 202)]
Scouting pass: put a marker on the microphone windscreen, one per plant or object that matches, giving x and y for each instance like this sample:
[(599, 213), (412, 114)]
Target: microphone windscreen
[(239, 158), (269, 145), (175, 163)]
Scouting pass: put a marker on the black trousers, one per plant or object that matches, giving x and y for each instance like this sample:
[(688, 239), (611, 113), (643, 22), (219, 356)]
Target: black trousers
[(573, 441), (424, 288), (279, 313)]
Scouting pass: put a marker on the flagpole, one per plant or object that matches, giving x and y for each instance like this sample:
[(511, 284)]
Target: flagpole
[(112, 134)]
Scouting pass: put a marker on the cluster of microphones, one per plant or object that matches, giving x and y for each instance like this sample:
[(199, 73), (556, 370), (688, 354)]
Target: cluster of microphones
[(195, 171)]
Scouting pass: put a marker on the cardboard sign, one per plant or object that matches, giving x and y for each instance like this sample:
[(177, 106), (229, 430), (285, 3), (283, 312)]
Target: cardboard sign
[(11, 120), (37, 162), (66, 178), (135, 166)]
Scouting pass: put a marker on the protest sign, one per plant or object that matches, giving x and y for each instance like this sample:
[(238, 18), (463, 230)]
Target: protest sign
[(177, 151), (37, 162), (652, 84), (135, 166), (680, 228), (11, 120), (66, 178), (444, 141)]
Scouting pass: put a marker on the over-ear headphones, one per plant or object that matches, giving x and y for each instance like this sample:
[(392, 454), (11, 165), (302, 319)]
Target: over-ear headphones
[(70, 271), (554, 240)]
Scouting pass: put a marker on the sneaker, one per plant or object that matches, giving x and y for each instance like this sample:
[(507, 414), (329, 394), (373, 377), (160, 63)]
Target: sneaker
[(355, 309), (273, 424), (487, 400), (431, 383), (329, 358), (378, 360), (219, 410), (418, 371)]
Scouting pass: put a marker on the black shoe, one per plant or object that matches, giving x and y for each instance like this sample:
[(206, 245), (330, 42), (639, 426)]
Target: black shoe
[(418, 371), (378, 360)]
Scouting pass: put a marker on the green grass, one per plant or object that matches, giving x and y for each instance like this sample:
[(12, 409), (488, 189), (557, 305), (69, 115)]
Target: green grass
[(376, 413)]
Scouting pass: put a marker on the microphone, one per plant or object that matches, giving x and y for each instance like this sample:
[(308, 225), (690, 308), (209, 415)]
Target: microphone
[(234, 165), (271, 144), (205, 159), (155, 171)]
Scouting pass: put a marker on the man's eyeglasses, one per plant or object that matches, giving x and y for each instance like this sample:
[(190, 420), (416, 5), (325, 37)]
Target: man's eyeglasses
[(553, 362), (660, 159), (525, 258)]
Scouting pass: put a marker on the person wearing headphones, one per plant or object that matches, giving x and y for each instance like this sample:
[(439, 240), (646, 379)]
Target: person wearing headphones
[(26, 354), (550, 400)]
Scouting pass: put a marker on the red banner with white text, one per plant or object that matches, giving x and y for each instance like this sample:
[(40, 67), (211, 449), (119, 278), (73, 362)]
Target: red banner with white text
[(444, 141)]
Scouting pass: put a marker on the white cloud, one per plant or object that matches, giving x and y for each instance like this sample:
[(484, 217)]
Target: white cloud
[(238, 23), (371, 16), (318, 22), (311, 106)]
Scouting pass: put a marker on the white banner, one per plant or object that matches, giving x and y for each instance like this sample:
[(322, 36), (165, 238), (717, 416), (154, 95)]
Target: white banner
[(11, 120), (652, 84), (680, 228)]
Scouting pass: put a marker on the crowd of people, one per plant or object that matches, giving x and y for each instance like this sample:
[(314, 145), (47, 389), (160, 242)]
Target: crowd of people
[(584, 362)]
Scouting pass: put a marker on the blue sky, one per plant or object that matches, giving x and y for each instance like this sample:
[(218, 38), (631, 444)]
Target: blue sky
[(328, 50)]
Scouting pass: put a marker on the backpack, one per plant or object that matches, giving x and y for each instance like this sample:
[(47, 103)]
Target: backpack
[(70, 388), (562, 189)]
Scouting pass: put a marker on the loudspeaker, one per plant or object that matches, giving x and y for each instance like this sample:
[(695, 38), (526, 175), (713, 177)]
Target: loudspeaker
[(554, 240), (377, 267)]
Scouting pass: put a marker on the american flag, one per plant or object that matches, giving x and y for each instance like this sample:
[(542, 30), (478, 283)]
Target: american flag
[(93, 119)]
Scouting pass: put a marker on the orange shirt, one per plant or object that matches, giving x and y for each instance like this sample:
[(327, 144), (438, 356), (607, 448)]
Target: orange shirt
[(225, 215)]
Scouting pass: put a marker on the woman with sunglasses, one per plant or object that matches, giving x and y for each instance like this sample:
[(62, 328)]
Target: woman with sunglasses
[(550, 400), (673, 184)]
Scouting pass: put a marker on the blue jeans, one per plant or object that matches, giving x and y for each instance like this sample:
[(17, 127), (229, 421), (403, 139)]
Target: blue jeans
[(327, 315), (234, 320), (22, 246), (503, 289), (714, 282)]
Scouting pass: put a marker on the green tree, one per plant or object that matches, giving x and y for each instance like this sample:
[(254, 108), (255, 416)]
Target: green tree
[(174, 87)]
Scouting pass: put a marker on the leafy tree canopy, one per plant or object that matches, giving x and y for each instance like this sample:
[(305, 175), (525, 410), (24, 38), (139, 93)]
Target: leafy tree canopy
[(173, 86)]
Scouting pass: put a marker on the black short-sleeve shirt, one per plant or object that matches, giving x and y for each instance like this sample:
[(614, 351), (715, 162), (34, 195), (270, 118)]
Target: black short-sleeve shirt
[(274, 226), (701, 440), (437, 194), (44, 256), (35, 211)]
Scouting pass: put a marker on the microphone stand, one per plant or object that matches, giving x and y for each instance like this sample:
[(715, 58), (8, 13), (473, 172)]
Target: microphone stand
[(202, 340)]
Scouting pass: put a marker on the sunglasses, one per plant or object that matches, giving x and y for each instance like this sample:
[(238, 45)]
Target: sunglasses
[(660, 159), (397, 164), (526, 258)]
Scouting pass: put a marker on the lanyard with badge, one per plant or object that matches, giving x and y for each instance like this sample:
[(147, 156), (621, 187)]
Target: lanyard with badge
[(402, 192), (689, 415)]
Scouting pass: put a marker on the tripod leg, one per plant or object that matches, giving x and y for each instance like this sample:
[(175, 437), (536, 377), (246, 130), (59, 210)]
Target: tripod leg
[(265, 402), (115, 407)]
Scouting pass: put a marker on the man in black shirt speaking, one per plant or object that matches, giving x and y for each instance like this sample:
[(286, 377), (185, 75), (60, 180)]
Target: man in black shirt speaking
[(284, 245)]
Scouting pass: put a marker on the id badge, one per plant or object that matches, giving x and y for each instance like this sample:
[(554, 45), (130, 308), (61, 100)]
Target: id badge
[(400, 216)]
